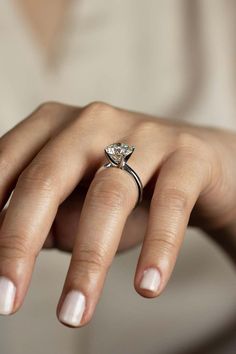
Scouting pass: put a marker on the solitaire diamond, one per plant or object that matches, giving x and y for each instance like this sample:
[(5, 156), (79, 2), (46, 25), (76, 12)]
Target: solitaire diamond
[(119, 151)]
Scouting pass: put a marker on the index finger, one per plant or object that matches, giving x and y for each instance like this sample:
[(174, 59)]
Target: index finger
[(21, 143)]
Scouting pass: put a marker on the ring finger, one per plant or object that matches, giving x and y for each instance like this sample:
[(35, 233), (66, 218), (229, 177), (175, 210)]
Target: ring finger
[(109, 200)]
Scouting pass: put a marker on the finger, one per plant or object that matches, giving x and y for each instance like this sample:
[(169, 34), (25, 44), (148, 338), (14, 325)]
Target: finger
[(181, 180), (64, 228), (2, 216), (20, 144), (62, 233), (110, 199), (46, 182)]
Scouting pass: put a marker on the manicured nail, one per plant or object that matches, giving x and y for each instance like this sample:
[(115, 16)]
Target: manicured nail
[(151, 279), (7, 296), (73, 308)]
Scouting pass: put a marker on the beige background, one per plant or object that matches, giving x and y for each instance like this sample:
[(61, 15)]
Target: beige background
[(169, 58)]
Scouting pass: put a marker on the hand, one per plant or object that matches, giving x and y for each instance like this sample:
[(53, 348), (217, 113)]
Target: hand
[(53, 157)]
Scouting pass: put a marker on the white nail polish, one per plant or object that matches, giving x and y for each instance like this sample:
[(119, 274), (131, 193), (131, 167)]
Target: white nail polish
[(151, 279), (73, 308), (7, 296)]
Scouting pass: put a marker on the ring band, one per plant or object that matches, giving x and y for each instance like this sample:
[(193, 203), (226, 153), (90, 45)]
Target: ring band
[(118, 155)]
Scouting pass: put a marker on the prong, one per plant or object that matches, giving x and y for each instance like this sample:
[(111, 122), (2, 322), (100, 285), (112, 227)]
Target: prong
[(110, 158), (128, 156), (122, 162)]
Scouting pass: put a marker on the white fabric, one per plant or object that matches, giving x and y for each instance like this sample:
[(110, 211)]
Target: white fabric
[(169, 58)]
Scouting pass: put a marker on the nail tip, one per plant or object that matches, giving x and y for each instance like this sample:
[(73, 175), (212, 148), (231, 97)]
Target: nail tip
[(69, 323), (5, 313), (7, 296), (151, 280), (72, 309), (148, 288)]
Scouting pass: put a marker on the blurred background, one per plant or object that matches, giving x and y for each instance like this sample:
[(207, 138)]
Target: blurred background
[(173, 59)]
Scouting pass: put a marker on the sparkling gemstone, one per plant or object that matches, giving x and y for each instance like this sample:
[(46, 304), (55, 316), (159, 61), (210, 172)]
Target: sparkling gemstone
[(118, 151)]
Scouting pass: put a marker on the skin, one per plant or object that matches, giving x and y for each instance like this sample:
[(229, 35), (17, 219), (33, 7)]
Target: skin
[(64, 198), (46, 20)]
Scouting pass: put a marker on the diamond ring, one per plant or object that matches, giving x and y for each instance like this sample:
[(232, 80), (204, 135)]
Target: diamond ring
[(118, 155)]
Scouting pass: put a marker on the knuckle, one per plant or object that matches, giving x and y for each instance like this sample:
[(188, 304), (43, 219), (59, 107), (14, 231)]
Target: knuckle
[(97, 107), (145, 128), (38, 176), (14, 246), (92, 260), (49, 106), (198, 151), (166, 244), (53, 111), (172, 199), (185, 139), (97, 110), (193, 145)]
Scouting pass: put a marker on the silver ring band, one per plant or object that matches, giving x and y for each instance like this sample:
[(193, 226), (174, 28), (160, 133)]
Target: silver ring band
[(118, 155)]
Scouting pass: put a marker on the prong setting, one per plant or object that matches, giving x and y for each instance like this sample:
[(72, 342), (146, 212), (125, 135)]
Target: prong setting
[(119, 153)]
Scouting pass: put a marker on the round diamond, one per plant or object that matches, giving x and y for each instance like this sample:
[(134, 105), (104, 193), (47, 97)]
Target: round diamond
[(119, 151)]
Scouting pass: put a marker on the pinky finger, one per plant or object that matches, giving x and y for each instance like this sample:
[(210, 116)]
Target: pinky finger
[(181, 180)]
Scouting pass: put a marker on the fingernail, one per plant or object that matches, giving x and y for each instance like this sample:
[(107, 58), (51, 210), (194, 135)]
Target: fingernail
[(73, 308), (151, 279), (7, 296)]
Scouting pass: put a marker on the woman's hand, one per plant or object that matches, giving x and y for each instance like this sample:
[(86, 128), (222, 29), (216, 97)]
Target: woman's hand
[(50, 160)]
